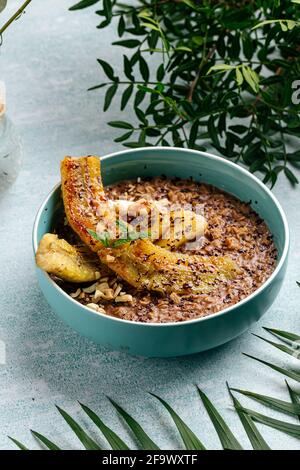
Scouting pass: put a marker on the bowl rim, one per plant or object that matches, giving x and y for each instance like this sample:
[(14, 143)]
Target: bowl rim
[(194, 320)]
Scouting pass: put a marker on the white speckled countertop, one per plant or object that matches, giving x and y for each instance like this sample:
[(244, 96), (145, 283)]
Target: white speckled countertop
[(48, 61)]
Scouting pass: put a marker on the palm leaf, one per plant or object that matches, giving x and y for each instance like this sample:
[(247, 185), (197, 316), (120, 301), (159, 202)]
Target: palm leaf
[(49, 444), (289, 373), (226, 437), (113, 439), (87, 442), (280, 405), (247, 416), (255, 437), (18, 443), (143, 438), (290, 338), (295, 397), (291, 351), (190, 439), (283, 426)]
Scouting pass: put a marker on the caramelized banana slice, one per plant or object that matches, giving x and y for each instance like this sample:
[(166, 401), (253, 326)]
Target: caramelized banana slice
[(139, 262), (147, 266), (56, 256), (185, 226), (83, 197)]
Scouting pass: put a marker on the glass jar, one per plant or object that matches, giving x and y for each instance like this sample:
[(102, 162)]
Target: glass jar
[(10, 152)]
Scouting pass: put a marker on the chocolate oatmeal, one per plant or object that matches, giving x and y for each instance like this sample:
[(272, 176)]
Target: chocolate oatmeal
[(234, 230)]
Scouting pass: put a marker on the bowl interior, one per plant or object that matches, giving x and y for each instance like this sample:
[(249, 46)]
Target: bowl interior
[(182, 163)]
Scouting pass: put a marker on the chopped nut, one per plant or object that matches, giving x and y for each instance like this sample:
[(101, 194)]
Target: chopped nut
[(231, 243), (124, 298), (96, 307), (102, 286), (76, 294), (108, 294), (98, 295), (110, 258), (90, 289), (92, 306), (215, 233), (118, 290), (101, 310)]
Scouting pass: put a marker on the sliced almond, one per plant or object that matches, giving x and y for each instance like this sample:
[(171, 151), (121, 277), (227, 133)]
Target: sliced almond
[(98, 295), (108, 294), (124, 298), (96, 308), (93, 306), (76, 294), (101, 310), (90, 289), (118, 290), (102, 286)]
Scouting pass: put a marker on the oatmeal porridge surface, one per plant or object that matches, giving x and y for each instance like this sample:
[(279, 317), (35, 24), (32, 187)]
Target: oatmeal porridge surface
[(234, 230)]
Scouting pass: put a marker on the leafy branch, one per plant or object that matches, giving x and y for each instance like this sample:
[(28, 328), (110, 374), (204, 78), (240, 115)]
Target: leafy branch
[(14, 17), (223, 77), (189, 439)]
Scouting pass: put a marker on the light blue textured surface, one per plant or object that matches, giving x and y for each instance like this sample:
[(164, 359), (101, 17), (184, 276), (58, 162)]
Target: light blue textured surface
[(48, 62)]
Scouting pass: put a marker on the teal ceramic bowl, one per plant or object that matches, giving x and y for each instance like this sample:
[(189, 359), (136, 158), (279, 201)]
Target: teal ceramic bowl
[(172, 339)]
